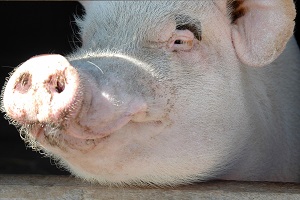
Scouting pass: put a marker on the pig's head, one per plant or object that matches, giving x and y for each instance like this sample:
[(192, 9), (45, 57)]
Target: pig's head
[(156, 94)]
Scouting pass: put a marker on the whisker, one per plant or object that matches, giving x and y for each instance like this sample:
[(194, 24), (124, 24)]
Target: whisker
[(96, 66), (75, 41)]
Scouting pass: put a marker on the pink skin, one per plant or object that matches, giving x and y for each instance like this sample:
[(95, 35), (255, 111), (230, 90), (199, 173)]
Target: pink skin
[(51, 92)]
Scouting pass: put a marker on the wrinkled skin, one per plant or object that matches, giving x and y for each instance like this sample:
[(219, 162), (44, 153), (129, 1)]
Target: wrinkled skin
[(168, 93)]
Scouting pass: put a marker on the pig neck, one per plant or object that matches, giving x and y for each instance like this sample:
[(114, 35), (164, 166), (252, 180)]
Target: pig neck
[(273, 149)]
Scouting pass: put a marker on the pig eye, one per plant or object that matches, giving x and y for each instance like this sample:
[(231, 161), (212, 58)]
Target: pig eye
[(192, 28), (178, 42), (186, 35), (182, 40), (185, 22)]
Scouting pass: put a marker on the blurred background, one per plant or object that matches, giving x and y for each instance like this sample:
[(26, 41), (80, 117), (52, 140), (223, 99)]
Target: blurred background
[(28, 29)]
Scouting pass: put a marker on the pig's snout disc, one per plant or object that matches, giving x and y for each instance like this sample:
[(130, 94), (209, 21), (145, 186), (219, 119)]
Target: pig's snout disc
[(43, 89)]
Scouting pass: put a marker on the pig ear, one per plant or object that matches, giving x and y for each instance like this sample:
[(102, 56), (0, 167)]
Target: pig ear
[(261, 29)]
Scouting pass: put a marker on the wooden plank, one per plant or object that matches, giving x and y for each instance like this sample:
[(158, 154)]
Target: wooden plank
[(66, 187)]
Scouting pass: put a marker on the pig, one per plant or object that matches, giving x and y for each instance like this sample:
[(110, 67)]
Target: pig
[(167, 93)]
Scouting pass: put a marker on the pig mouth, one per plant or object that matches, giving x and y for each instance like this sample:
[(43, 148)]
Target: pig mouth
[(77, 130), (38, 135), (72, 126)]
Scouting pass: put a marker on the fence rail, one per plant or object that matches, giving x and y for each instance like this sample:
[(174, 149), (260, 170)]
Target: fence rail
[(66, 187)]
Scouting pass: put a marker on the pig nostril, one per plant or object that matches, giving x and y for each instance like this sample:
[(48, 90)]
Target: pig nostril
[(56, 83), (23, 83), (60, 85)]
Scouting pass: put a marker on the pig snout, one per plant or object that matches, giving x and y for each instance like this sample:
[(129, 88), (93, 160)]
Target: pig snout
[(42, 93), (47, 91), (43, 89)]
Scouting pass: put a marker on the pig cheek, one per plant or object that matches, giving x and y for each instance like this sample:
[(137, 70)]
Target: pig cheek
[(198, 58)]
